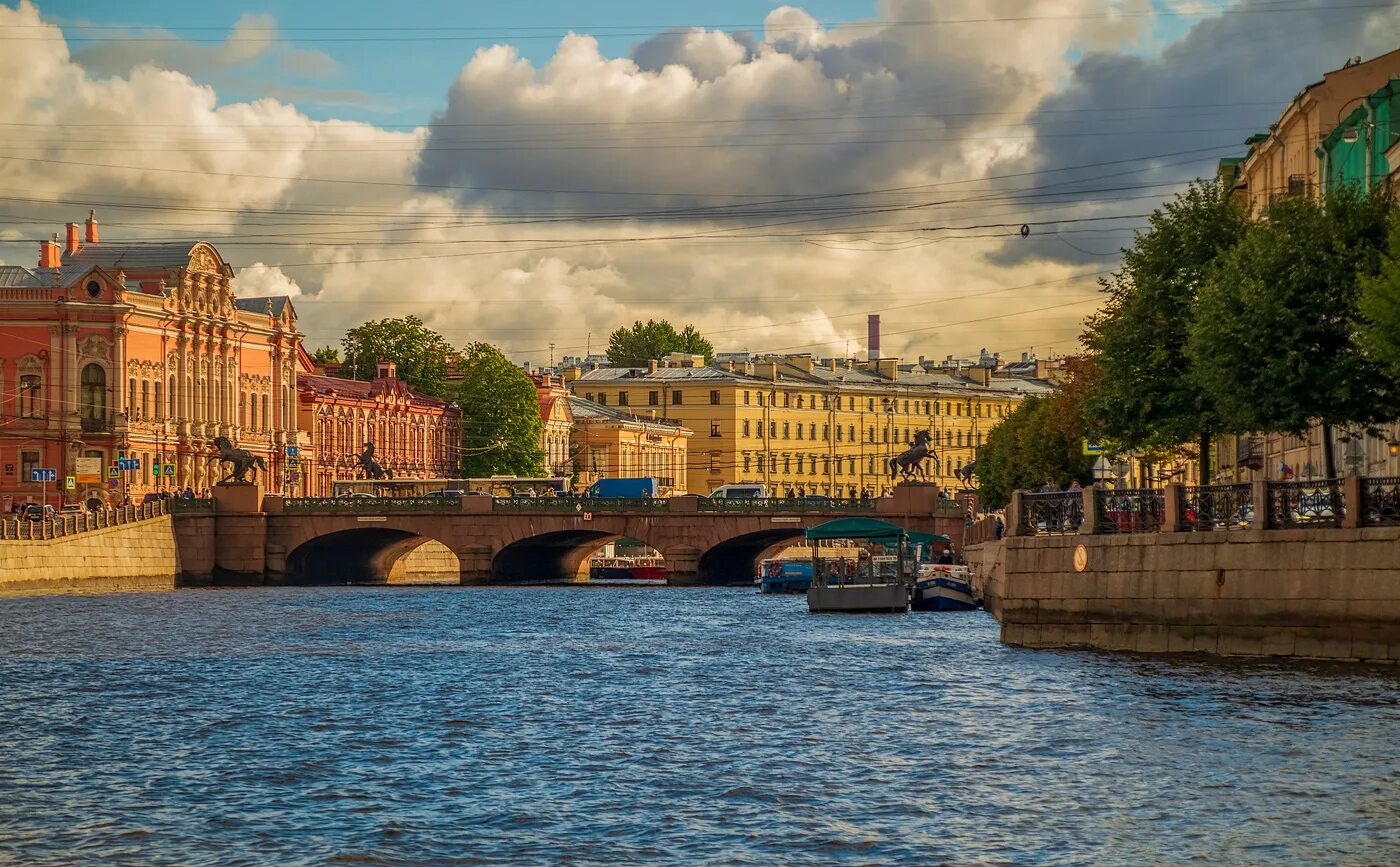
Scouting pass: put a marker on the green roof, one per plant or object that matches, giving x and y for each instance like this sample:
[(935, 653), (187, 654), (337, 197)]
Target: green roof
[(857, 528), (927, 538)]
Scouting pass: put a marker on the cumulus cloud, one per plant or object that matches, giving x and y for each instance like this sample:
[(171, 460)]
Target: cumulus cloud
[(260, 279)]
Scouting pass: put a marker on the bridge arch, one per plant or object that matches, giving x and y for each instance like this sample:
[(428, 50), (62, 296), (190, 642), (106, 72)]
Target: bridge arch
[(551, 556), (367, 555), (734, 560)]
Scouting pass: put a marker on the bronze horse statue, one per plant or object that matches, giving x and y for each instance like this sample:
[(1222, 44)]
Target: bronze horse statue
[(965, 473), (241, 460), (911, 463), (369, 467)]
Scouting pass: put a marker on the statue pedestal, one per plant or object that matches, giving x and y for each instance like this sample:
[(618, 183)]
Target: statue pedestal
[(237, 498)]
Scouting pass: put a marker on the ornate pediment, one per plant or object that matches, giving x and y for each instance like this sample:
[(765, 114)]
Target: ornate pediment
[(95, 346), (204, 260), (29, 364)]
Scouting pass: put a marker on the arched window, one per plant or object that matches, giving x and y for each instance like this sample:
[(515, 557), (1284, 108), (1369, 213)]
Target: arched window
[(243, 409), (266, 420), (92, 395), (158, 398), (30, 385), (131, 407), (171, 411), (253, 413), (146, 399)]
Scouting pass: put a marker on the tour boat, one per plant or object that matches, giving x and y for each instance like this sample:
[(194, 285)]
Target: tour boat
[(779, 575), (626, 570), (881, 579), (941, 587)]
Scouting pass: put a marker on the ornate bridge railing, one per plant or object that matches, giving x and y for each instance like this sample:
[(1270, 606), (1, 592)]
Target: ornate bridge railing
[(1380, 501), (68, 524), (561, 505), (1217, 507), (192, 506), (1316, 503), (1129, 510), (369, 505), (788, 504), (1051, 512)]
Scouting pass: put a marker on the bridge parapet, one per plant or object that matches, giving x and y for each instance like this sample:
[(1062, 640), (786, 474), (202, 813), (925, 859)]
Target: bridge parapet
[(370, 505)]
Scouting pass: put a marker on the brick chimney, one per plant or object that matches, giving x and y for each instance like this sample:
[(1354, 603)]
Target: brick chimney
[(49, 256), (652, 365), (872, 323), (386, 370), (71, 244), (92, 227)]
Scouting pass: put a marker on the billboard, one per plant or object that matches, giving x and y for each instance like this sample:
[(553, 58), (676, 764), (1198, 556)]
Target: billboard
[(88, 471)]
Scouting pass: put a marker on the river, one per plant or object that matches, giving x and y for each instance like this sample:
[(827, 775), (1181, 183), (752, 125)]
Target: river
[(539, 725)]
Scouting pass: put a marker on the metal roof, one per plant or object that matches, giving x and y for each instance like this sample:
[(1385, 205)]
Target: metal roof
[(585, 409), (258, 304), (136, 257), (18, 275)]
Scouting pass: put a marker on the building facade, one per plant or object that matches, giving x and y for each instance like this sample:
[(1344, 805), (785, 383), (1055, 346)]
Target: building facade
[(610, 443), (137, 355), (1356, 153), (1283, 161), (800, 427), (556, 424), (414, 436)]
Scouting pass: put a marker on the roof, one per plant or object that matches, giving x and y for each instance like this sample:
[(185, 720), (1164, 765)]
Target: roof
[(358, 388), (135, 257), (18, 275), (818, 375), (857, 528), (681, 374), (587, 409), (258, 304)]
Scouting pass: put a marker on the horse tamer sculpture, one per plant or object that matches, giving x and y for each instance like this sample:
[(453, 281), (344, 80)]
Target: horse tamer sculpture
[(911, 463), (241, 460)]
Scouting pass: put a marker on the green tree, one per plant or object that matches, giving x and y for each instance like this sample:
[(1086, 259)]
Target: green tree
[(501, 423), (420, 354), (326, 355), (1146, 397), (1380, 306), (635, 346), (1041, 439), (1276, 340)]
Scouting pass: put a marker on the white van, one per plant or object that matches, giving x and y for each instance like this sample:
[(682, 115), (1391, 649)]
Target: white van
[(739, 492)]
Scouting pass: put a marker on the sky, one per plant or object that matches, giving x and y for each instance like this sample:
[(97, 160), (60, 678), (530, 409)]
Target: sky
[(539, 173)]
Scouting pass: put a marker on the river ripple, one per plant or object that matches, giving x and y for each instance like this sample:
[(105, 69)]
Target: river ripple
[(546, 725)]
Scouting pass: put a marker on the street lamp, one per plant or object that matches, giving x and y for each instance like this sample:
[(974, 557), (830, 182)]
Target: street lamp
[(1393, 444)]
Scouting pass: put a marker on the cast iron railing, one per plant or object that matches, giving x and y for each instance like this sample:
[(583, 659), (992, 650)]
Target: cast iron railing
[(1380, 501), (191, 506), (1128, 510), (71, 523), (1302, 504), (370, 505), (557, 505), (1217, 507), (788, 504), (1051, 512)]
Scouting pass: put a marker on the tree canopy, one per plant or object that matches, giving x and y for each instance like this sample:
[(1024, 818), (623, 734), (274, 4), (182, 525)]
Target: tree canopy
[(326, 355), (635, 346), (1276, 340), (1380, 306), (420, 354), (1147, 397), (1041, 439), (500, 416)]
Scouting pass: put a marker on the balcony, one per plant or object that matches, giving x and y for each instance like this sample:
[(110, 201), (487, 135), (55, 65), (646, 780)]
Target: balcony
[(98, 425)]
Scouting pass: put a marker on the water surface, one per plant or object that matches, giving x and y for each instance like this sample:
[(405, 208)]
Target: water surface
[(546, 725)]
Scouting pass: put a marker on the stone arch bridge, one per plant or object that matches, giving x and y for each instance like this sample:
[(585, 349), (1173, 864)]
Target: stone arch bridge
[(241, 537)]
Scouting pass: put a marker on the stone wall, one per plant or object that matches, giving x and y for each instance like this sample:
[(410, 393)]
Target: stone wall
[(134, 556), (430, 563), (1332, 593)]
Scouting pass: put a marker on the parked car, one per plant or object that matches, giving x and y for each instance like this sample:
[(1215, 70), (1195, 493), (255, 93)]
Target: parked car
[(37, 512), (1316, 506), (631, 488), (739, 492), (71, 509), (449, 493)]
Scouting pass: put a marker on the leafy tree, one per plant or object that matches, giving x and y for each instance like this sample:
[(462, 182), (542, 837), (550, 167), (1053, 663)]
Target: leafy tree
[(1380, 305), (635, 346), (1275, 342), (501, 423), (1146, 397), (1041, 439), (420, 353), (326, 355)]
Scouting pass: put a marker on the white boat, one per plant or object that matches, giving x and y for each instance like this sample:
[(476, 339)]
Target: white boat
[(942, 587)]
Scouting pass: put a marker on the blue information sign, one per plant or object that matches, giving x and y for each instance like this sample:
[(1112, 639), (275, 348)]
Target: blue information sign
[(43, 474), (293, 452)]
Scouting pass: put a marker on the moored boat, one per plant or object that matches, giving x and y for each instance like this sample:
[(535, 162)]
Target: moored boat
[(880, 579), (626, 570), (942, 587), (778, 575)]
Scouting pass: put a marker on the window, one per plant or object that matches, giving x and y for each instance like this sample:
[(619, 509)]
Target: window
[(602, 399), (714, 429), (787, 430), (826, 401), (622, 398), (838, 466), (870, 404), (799, 430), (799, 401), (826, 432), (252, 412), (92, 395), (714, 462), (93, 288), (852, 436), (851, 462), (977, 410), (959, 410), (959, 438), (171, 412), (772, 429), (852, 405), (653, 398), (906, 407), (773, 463), (838, 433), (885, 434), (146, 399), (157, 401), (714, 398), (746, 398), (243, 409), (871, 434), (826, 466), (132, 409), (787, 464), (28, 462), (787, 399), (676, 398), (927, 411), (746, 427), (266, 416), (799, 464), (760, 398), (811, 431), (746, 462), (588, 396), (979, 440)]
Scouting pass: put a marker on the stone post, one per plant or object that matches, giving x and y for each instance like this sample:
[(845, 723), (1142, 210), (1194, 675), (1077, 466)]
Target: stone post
[(1090, 524), (1014, 511), (1260, 494), (1352, 501), (1173, 515)]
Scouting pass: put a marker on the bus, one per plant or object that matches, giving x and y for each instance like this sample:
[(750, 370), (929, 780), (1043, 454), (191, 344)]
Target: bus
[(496, 486)]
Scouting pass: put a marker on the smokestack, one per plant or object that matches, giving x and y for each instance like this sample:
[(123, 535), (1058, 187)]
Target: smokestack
[(873, 341), (72, 239), (48, 253)]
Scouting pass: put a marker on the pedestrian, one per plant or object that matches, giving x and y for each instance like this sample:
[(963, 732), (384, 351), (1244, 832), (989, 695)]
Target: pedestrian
[(1001, 527), (188, 493), (1049, 487), (1075, 486)]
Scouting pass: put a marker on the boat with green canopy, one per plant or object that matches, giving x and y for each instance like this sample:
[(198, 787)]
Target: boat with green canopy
[(879, 579)]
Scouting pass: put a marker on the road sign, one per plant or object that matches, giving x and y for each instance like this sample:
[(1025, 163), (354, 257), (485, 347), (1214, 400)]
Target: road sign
[(112, 472), (129, 463), (1093, 448), (292, 463), (43, 474), (70, 483), (169, 470), (294, 476), (293, 452)]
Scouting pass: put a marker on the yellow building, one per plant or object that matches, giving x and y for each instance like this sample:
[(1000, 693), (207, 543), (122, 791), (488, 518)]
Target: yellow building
[(610, 443), (801, 427)]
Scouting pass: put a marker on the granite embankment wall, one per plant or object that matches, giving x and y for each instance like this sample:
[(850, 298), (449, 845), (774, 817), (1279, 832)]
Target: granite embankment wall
[(1326, 592), (134, 556)]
